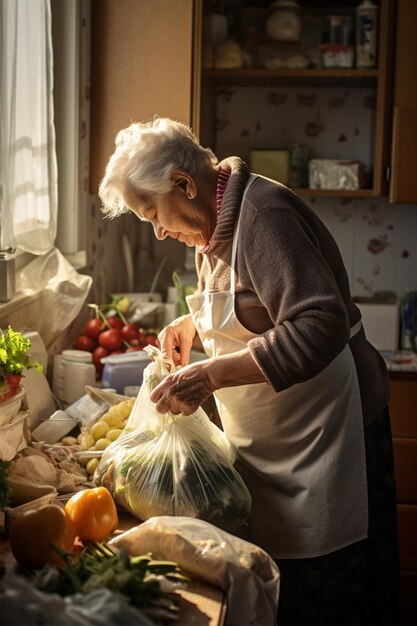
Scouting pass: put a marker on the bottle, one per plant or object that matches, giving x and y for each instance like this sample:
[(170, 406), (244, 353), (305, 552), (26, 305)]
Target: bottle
[(366, 34), (409, 320)]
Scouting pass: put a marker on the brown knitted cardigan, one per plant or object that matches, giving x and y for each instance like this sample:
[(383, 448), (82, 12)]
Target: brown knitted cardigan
[(292, 288)]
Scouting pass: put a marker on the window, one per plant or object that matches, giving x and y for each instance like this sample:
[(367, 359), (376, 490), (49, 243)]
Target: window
[(40, 55), (28, 170)]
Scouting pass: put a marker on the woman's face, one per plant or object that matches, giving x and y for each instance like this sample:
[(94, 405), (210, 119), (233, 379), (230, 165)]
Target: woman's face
[(178, 214)]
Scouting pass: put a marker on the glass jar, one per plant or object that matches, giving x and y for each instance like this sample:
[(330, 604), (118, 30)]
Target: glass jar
[(284, 22), (337, 42)]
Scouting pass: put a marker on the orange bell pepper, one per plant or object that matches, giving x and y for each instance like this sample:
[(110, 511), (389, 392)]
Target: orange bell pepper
[(34, 531), (93, 513)]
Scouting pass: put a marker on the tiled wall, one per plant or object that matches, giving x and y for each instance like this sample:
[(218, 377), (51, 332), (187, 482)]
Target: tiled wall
[(378, 240)]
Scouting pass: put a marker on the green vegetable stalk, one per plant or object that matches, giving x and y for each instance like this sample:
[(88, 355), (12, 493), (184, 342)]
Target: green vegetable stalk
[(133, 578)]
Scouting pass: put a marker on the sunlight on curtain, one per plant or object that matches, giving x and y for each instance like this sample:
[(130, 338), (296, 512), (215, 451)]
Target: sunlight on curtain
[(28, 169)]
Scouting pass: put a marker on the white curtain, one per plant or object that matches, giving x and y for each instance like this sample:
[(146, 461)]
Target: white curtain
[(28, 168)]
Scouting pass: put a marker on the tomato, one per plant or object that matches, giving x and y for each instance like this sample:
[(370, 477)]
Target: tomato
[(131, 331), (93, 513), (34, 531), (115, 322), (110, 339), (98, 354), (82, 342), (134, 348), (150, 340), (94, 327)]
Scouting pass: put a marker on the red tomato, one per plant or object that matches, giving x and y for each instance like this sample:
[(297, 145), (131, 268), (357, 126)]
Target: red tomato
[(94, 327), (136, 342), (115, 322), (131, 331), (98, 354), (110, 339), (82, 342), (150, 340), (134, 348)]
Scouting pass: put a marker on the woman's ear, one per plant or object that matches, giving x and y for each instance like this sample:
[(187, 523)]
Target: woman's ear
[(185, 182)]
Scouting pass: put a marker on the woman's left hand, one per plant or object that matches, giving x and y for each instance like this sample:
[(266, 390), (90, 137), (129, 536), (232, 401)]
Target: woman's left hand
[(185, 390)]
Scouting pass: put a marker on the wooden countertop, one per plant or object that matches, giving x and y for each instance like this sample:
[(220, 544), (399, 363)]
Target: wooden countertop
[(201, 604)]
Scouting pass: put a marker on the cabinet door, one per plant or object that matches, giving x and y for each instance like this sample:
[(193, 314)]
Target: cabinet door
[(407, 524), (403, 186), (141, 66), (403, 406), (405, 458)]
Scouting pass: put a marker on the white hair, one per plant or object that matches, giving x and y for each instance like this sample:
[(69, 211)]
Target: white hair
[(145, 155)]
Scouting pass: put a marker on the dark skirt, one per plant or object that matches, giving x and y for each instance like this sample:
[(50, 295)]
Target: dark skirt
[(359, 584)]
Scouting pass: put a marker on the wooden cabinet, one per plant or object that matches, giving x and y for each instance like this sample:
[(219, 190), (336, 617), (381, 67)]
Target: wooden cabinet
[(142, 64), (219, 81), (147, 60), (403, 181), (403, 410)]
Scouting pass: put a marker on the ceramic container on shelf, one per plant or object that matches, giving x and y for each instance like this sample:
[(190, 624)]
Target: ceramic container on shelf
[(366, 34), (284, 21)]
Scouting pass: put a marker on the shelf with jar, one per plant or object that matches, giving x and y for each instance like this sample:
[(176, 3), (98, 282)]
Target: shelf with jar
[(302, 45)]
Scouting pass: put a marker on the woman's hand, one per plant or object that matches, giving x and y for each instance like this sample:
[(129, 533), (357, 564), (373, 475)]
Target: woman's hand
[(176, 340), (185, 390)]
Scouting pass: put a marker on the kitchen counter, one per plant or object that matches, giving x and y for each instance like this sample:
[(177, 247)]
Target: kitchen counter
[(201, 604), (401, 361)]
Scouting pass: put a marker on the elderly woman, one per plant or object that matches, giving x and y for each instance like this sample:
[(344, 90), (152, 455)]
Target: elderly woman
[(300, 392)]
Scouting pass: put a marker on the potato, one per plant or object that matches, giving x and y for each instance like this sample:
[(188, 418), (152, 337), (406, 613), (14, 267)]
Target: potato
[(86, 441), (113, 434), (113, 420), (91, 466), (99, 430), (102, 444), (69, 441)]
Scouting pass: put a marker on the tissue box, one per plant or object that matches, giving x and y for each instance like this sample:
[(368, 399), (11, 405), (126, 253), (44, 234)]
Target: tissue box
[(334, 174)]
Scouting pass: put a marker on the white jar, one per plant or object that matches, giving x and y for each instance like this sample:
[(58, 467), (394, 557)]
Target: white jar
[(73, 370), (366, 34), (284, 23)]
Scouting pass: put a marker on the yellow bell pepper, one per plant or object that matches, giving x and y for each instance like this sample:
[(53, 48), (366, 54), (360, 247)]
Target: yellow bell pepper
[(34, 532), (93, 513)]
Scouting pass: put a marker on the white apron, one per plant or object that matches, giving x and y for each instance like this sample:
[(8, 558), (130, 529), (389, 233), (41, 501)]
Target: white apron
[(301, 451)]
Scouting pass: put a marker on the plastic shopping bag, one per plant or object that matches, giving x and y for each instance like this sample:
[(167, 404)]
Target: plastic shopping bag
[(173, 464), (248, 575)]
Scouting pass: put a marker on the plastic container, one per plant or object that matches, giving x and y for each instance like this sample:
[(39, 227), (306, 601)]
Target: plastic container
[(73, 370), (124, 370), (366, 34)]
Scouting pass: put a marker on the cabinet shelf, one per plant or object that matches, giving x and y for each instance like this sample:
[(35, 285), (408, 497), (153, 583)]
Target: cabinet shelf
[(357, 193), (336, 76)]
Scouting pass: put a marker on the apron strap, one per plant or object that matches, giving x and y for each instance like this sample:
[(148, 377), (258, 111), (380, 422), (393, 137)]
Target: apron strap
[(235, 236), (355, 329)]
